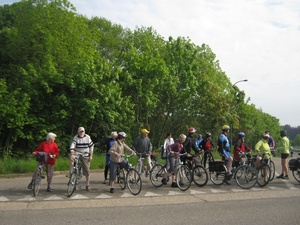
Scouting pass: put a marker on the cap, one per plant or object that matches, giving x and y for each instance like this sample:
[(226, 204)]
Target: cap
[(81, 129), (145, 131)]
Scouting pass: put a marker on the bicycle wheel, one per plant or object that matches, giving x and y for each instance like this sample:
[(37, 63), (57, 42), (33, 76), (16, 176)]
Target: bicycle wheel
[(72, 184), (183, 177), (218, 177), (296, 174), (156, 175), (263, 175), (272, 168), (245, 176), (37, 182), (121, 179), (139, 168), (134, 181), (200, 176)]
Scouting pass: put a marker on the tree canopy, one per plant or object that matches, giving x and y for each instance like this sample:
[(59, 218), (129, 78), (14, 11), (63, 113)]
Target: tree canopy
[(60, 70)]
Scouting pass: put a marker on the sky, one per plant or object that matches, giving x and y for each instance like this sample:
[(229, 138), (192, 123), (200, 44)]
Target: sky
[(257, 40)]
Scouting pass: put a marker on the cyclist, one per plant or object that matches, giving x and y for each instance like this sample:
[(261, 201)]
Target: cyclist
[(177, 147), (116, 151), (82, 143), (224, 151), (263, 146), (271, 142), (50, 147), (109, 142), (239, 146), (142, 144), (207, 146), (198, 141), (284, 150), (189, 144)]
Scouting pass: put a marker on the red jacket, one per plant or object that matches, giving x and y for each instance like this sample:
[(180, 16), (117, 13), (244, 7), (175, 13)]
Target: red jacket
[(240, 146), (51, 148)]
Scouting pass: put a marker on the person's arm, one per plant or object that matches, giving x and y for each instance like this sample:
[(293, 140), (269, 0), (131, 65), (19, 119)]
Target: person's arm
[(127, 149)]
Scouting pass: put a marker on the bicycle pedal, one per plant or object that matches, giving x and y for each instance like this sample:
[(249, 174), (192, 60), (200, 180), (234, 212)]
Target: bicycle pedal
[(43, 177)]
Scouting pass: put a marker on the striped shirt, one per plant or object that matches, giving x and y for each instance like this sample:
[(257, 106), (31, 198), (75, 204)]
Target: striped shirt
[(82, 144)]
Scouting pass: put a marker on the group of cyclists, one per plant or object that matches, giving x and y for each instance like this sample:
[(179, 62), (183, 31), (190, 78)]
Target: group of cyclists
[(116, 146)]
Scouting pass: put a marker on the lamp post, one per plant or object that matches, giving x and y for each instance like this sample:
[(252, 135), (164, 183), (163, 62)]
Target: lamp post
[(245, 80)]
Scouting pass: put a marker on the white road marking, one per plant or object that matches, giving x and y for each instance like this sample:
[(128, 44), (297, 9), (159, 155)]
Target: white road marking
[(53, 197), (27, 198), (3, 199), (79, 197), (104, 196), (151, 194), (193, 192)]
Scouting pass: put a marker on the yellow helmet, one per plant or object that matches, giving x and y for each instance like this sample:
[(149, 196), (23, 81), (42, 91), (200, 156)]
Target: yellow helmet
[(225, 127)]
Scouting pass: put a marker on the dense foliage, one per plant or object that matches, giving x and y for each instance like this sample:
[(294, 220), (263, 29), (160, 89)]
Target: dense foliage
[(60, 70)]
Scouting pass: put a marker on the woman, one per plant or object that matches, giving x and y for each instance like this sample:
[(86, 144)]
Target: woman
[(168, 141), (263, 146), (50, 147), (284, 150), (116, 151), (173, 149)]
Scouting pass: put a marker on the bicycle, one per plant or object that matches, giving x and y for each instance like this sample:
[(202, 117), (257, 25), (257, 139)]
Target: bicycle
[(294, 166), (245, 174), (199, 173), (182, 173), (263, 172), (140, 165), (76, 173), (131, 179), (41, 157), (210, 158)]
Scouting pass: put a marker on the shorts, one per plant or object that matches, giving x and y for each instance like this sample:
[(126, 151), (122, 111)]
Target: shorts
[(227, 155), (85, 164), (114, 167), (284, 155)]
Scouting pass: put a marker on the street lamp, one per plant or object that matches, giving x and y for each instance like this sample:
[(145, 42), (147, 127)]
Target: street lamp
[(239, 82), (245, 80)]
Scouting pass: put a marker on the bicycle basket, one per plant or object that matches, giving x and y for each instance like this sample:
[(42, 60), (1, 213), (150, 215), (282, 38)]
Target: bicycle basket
[(41, 157), (216, 166), (154, 157), (294, 164)]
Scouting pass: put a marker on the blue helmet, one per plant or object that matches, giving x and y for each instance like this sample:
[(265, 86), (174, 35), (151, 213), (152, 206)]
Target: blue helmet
[(242, 134)]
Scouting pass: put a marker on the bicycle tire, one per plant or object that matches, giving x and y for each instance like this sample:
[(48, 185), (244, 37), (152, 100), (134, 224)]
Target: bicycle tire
[(218, 177), (122, 179), (183, 177), (263, 175), (296, 174), (272, 168), (139, 167), (134, 181), (200, 176), (37, 182), (156, 175), (245, 176), (72, 185)]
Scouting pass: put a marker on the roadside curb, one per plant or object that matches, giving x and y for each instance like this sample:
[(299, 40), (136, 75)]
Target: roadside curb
[(56, 173)]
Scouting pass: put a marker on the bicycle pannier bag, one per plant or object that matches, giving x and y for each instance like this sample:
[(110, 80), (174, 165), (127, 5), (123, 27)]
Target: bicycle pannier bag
[(294, 164), (41, 157), (216, 166)]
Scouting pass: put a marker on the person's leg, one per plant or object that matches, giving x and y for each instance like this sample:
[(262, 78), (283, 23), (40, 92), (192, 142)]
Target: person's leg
[(148, 159), (112, 175), (285, 170), (71, 163), (204, 160), (50, 170), (106, 168), (86, 171)]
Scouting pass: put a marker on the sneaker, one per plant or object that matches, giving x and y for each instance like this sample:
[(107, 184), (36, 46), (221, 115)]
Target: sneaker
[(30, 185), (286, 177), (68, 175), (49, 189), (181, 183), (111, 190), (280, 176), (164, 181), (174, 184), (227, 182), (87, 188)]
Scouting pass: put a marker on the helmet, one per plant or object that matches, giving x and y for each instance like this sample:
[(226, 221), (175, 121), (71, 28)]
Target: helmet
[(226, 127), (182, 138), (242, 134), (121, 135), (283, 133), (191, 130), (266, 136), (208, 134), (199, 135)]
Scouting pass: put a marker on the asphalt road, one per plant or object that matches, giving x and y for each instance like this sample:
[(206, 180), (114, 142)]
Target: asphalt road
[(276, 203)]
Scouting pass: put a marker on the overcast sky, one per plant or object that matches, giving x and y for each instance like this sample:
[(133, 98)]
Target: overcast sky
[(258, 40)]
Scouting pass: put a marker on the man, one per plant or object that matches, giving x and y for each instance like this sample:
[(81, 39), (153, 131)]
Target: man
[(189, 144), (142, 144), (82, 143), (271, 142), (224, 151), (108, 143)]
